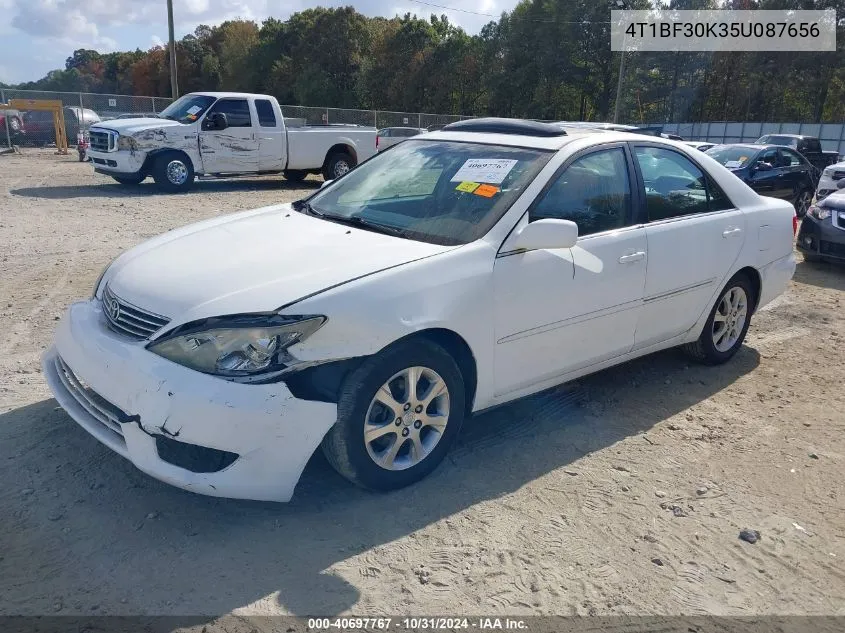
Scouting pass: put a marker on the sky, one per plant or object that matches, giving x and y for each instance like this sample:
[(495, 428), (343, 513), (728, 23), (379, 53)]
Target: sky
[(36, 36)]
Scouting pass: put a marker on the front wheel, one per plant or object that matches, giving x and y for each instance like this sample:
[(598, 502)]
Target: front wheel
[(173, 172), (802, 203), (727, 324), (338, 165), (398, 414)]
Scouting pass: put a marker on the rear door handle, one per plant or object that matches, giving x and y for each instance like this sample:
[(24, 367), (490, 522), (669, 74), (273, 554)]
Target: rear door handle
[(732, 231), (631, 257)]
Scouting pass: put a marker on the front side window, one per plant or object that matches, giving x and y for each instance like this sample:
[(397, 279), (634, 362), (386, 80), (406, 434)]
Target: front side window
[(790, 158), (433, 191), (593, 191), (236, 111), (674, 186)]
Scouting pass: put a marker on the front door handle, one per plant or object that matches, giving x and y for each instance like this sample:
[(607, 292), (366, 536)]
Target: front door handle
[(732, 231), (631, 257)]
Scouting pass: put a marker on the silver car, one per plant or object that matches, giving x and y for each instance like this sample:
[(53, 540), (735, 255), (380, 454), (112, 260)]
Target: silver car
[(390, 136)]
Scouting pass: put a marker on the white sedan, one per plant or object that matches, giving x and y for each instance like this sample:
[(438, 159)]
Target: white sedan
[(456, 271)]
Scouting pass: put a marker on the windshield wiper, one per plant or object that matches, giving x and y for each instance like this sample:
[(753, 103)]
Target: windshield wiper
[(357, 221)]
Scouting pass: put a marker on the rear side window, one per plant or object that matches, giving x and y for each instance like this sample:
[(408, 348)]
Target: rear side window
[(236, 111), (266, 116), (811, 145), (594, 192), (675, 186)]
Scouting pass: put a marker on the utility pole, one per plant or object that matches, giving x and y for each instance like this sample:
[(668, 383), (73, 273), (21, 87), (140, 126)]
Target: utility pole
[(174, 84), (622, 6)]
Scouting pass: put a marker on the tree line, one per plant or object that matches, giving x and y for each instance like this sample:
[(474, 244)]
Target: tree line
[(546, 59)]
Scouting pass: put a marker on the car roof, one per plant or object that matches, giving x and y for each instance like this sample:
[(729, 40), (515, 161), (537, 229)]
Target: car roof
[(220, 95), (799, 136), (545, 143)]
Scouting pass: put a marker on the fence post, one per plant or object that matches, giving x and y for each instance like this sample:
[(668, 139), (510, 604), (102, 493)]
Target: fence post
[(375, 119), (6, 119), (419, 119), (153, 100)]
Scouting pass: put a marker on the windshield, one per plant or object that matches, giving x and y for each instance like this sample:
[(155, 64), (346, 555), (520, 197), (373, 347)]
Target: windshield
[(434, 191), (187, 109), (731, 157), (774, 139)]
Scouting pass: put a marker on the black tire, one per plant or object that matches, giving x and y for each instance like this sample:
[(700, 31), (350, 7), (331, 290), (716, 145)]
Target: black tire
[(802, 202), (704, 349), (344, 445), (171, 163), (295, 175), (135, 179), (337, 165)]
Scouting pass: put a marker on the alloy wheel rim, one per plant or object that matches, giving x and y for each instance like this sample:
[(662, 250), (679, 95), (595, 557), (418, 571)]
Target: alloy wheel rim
[(341, 168), (177, 172), (406, 418), (803, 203), (729, 319)]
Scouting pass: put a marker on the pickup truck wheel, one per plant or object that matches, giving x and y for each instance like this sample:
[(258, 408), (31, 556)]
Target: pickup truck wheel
[(134, 179), (338, 165), (727, 324), (173, 171), (397, 415), (295, 175)]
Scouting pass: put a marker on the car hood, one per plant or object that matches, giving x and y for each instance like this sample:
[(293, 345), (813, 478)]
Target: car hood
[(835, 200), (129, 127), (257, 261)]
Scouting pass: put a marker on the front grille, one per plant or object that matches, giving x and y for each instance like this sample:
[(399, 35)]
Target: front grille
[(100, 141), (832, 248), (130, 320), (104, 412), (838, 175)]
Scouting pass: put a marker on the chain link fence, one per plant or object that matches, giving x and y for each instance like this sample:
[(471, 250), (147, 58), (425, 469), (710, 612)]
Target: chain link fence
[(832, 135), (35, 128)]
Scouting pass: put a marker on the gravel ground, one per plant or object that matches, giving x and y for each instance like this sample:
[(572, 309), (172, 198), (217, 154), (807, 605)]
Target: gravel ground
[(624, 493)]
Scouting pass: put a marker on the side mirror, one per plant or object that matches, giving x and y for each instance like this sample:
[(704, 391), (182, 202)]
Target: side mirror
[(547, 234), (215, 121), (326, 182)]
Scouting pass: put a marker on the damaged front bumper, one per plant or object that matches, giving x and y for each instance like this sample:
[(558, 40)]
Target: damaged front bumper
[(195, 431), (119, 163)]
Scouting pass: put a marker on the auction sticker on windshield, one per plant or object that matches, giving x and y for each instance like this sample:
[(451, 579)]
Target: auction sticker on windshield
[(467, 187), (490, 170), (194, 109), (732, 164)]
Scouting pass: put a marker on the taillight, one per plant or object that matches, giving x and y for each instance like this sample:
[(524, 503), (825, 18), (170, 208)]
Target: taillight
[(794, 224)]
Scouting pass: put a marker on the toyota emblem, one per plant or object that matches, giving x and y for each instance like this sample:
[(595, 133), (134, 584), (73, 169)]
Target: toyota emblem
[(113, 309)]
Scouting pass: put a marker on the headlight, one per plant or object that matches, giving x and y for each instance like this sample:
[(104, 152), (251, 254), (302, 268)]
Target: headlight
[(100, 280), (242, 348), (127, 143), (820, 213)]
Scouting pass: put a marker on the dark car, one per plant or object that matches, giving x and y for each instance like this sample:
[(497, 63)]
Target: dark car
[(822, 233), (42, 131), (810, 147), (770, 170)]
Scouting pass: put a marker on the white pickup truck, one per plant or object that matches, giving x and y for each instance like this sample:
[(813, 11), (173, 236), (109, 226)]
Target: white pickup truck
[(223, 134)]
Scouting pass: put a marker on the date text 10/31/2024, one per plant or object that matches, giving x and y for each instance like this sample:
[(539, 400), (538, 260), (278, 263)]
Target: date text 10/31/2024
[(415, 624)]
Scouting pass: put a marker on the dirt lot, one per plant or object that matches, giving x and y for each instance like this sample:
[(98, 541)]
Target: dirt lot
[(559, 504)]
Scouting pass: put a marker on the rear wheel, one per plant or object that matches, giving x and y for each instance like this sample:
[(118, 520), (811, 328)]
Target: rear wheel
[(173, 172), (338, 165), (727, 324), (398, 414), (135, 179)]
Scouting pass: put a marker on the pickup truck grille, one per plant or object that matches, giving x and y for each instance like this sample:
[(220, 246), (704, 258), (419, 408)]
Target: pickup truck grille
[(101, 141), (129, 320)]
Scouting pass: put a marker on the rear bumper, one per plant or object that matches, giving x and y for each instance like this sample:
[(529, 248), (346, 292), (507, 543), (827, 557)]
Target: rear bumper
[(775, 278), (821, 239)]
